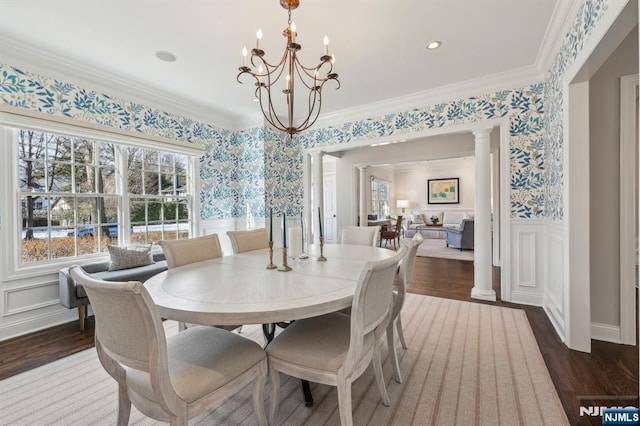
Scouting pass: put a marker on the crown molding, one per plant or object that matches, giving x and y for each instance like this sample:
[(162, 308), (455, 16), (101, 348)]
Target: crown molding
[(460, 90), (561, 18), (36, 60)]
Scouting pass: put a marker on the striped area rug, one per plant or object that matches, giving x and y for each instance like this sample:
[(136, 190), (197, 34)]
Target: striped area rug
[(467, 363)]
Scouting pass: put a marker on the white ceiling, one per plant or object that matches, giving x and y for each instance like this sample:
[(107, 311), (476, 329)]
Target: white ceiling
[(379, 45)]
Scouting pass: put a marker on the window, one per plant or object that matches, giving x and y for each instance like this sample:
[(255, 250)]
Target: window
[(74, 198), (158, 199), (379, 198)]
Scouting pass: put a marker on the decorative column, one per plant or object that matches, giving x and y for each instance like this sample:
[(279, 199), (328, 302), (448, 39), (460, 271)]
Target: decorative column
[(363, 197), (482, 284), (318, 192)]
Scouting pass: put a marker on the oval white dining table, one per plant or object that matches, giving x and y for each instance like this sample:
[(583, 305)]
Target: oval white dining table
[(238, 289)]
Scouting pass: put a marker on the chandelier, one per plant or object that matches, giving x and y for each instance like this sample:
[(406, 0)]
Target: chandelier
[(270, 78)]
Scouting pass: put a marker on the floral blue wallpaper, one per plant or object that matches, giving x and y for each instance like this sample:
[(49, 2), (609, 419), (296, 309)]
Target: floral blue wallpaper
[(524, 107), (588, 16), (254, 168), (232, 170)]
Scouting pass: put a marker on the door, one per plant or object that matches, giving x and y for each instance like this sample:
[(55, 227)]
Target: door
[(329, 187)]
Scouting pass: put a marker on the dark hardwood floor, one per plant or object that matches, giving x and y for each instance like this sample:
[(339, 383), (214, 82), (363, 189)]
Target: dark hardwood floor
[(606, 377)]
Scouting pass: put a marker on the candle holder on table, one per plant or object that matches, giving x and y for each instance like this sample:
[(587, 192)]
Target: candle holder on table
[(284, 267), (322, 258), (271, 265)]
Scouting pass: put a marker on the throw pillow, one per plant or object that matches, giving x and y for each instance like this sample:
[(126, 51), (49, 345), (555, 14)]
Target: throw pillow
[(416, 218), (130, 256)]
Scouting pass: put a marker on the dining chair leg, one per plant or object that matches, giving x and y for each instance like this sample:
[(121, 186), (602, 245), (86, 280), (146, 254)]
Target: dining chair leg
[(258, 394), (124, 404), (377, 369), (344, 403), (393, 355), (400, 332), (274, 380)]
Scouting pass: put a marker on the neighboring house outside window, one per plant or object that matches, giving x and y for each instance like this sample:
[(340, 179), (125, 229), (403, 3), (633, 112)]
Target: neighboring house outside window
[(77, 196)]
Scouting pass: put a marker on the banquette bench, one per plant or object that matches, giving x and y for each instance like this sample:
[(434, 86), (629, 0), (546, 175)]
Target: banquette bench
[(72, 295)]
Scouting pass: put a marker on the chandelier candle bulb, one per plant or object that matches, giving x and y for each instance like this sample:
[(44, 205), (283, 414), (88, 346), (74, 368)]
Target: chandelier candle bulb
[(293, 32), (295, 242), (258, 37), (325, 41), (244, 56)]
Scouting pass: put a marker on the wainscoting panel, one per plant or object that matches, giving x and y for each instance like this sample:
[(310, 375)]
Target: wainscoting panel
[(527, 261), (553, 302), (31, 297), (31, 304)]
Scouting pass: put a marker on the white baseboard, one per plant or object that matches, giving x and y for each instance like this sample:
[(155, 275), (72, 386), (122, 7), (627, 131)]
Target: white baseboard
[(35, 323), (526, 298), (605, 332)]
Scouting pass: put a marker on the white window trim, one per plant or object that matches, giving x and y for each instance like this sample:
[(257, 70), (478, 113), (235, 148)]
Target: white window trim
[(10, 232)]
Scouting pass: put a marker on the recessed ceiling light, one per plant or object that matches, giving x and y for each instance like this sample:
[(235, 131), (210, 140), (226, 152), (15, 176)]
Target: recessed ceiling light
[(165, 56), (434, 45)]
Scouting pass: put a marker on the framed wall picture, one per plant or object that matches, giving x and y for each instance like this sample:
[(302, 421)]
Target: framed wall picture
[(444, 191)]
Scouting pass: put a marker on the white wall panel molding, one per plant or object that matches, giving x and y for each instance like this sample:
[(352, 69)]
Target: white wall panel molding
[(553, 286), (30, 297), (527, 263)]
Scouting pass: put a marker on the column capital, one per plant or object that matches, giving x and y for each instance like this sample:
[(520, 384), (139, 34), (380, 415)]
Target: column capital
[(482, 132)]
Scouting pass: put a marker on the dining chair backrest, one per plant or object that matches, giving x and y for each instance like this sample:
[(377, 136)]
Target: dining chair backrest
[(406, 269), (242, 241), (132, 347), (372, 302), (117, 307), (183, 252), (360, 235)]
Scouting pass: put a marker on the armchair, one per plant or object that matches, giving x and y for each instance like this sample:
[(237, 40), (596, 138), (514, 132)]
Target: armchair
[(392, 234), (461, 238)]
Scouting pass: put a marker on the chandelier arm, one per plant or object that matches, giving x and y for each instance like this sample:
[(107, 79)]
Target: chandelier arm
[(315, 99), (301, 75), (270, 114)]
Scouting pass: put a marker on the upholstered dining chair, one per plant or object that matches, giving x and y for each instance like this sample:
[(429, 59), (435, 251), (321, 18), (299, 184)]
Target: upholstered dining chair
[(242, 241), (168, 379), (392, 234), (192, 250), (399, 292), (360, 235), (335, 349)]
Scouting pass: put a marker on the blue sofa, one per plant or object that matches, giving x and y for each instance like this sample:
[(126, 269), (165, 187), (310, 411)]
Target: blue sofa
[(461, 238)]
